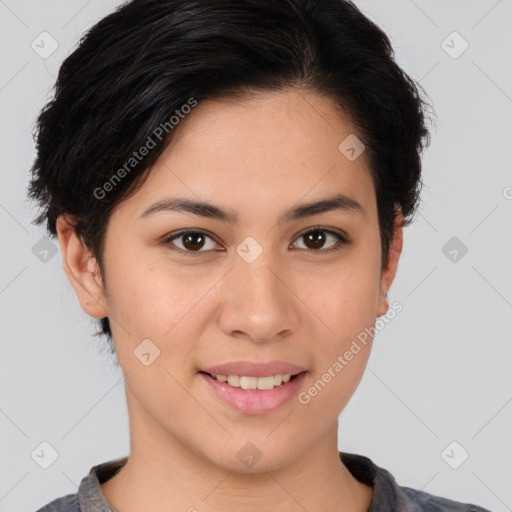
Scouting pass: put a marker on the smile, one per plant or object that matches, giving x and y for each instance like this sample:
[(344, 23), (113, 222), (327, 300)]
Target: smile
[(260, 383), (254, 395)]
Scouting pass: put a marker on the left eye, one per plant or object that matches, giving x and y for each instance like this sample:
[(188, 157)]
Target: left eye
[(193, 241), (317, 238)]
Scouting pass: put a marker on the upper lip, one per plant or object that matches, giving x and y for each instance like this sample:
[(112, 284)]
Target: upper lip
[(250, 369)]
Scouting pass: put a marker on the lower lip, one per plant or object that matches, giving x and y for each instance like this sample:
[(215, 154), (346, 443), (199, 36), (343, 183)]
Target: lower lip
[(253, 401)]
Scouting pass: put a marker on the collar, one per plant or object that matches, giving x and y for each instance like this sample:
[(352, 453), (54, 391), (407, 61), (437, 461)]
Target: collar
[(386, 493)]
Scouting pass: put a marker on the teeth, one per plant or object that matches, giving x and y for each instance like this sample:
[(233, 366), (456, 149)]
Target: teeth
[(233, 380), (261, 383)]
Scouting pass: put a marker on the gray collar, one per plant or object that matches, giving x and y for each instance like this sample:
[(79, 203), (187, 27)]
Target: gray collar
[(91, 498)]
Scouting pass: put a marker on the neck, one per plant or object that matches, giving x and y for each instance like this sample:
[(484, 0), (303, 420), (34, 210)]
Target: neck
[(163, 473)]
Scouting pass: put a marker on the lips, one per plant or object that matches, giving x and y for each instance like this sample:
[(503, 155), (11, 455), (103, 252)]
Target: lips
[(254, 401), (252, 369), (234, 384)]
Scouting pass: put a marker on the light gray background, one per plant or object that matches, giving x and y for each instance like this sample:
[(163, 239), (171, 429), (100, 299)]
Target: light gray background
[(438, 373)]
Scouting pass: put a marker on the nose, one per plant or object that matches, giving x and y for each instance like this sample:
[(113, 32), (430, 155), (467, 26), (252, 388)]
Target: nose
[(258, 302)]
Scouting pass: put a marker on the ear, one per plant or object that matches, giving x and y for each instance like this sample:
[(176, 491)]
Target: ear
[(388, 273), (81, 268)]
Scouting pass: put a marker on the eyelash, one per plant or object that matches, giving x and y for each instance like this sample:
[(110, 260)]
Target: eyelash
[(342, 241)]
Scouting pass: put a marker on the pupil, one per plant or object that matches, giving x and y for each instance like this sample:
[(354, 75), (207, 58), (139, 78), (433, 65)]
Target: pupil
[(319, 235), (192, 236)]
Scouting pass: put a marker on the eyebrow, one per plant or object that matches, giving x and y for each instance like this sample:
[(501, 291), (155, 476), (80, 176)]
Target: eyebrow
[(338, 202)]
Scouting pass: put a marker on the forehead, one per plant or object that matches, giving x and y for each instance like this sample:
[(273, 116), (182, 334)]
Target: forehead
[(274, 127), (266, 149)]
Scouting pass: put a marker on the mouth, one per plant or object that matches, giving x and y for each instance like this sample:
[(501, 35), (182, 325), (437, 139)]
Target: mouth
[(254, 395), (247, 382)]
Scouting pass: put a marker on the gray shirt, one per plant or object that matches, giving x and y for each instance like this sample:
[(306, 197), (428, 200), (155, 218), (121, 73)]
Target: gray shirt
[(388, 496)]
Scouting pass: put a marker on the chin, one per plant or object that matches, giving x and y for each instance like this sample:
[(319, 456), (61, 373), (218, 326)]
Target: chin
[(250, 458)]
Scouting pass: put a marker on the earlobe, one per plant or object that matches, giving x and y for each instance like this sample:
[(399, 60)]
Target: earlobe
[(81, 268), (389, 272)]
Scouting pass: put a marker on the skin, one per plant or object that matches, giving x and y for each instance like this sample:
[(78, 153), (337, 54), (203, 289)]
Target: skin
[(295, 302)]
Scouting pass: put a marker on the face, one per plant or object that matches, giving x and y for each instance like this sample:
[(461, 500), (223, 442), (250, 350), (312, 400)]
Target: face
[(265, 282)]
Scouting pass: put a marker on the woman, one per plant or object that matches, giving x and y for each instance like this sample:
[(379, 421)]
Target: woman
[(228, 182)]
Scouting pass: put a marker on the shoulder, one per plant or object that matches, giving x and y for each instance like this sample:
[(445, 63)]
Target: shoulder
[(68, 503), (415, 500), (89, 497), (389, 496)]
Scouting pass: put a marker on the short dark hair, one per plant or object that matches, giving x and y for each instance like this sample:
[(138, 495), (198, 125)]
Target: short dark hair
[(139, 65)]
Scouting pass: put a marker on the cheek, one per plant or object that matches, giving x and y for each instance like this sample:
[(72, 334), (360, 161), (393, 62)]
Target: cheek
[(344, 296), (345, 306), (345, 314), (151, 296), (328, 391), (342, 350)]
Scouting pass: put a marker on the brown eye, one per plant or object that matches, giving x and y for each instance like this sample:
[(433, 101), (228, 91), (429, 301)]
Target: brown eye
[(315, 240), (191, 241)]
